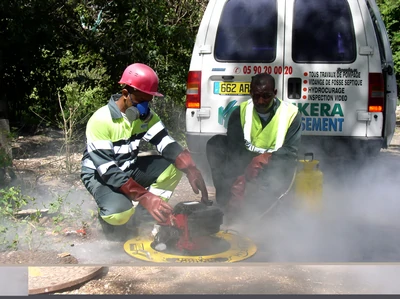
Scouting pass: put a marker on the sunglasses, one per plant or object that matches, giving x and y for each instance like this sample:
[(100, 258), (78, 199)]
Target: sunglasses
[(265, 95), (140, 96), (130, 89)]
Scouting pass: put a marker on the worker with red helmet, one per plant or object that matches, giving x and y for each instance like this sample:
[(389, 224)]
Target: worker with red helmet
[(122, 183)]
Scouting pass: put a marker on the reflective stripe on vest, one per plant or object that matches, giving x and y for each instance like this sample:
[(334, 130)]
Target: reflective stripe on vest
[(284, 121), (89, 164)]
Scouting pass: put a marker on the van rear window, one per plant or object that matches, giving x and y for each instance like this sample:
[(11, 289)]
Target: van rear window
[(323, 32), (247, 31)]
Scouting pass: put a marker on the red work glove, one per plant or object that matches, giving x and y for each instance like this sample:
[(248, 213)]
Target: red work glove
[(258, 163), (237, 194), (185, 163), (157, 207)]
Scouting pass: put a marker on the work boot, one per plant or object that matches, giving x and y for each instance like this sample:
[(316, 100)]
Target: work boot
[(118, 233), (132, 228)]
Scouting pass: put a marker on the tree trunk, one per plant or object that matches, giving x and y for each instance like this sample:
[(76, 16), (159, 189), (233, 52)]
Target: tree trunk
[(5, 145), (5, 149), (4, 137)]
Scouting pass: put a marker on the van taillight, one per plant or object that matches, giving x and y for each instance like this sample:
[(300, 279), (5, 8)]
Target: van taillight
[(376, 94), (193, 89)]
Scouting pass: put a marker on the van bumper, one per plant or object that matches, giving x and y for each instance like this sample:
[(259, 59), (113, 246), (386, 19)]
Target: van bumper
[(341, 147), (320, 146)]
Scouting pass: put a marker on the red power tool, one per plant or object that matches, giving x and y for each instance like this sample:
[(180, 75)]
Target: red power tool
[(189, 228)]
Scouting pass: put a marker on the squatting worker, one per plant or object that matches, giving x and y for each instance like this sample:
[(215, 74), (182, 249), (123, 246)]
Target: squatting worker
[(261, 145), (121, 181)]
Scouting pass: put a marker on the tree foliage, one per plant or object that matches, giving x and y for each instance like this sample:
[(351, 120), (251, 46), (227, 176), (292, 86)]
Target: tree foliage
[(390, 11), (34, 36), (79, 48)]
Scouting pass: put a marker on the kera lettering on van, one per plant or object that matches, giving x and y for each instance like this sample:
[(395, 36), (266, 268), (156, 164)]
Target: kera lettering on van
[(321, 117)]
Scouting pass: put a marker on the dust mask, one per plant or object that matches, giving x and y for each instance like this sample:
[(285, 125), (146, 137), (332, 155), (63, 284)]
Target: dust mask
[(139, 111)]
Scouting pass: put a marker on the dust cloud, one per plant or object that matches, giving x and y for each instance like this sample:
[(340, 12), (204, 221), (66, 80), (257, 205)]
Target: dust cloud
[(356, 222)]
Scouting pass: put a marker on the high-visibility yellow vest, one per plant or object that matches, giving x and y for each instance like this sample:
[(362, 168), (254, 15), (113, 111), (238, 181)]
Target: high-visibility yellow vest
[(270, 138)]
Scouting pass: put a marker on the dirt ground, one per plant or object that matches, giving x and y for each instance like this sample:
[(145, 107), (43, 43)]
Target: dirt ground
[(46, 257)]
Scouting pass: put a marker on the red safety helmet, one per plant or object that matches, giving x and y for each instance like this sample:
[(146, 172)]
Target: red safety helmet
[(141, 77)]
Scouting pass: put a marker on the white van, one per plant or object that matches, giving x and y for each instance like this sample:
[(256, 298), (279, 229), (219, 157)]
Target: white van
[(331, 58)]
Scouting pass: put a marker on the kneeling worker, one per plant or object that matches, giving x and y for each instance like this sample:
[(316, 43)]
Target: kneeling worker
[(120, 181), (261, 146)]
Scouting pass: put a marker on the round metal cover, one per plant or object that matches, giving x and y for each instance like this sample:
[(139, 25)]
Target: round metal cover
[(51, 279)]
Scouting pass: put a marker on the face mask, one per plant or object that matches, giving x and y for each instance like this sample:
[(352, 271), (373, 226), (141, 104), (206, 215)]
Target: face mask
[(139, 111)]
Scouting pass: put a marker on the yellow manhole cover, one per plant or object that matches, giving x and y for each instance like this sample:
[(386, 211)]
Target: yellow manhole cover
[(227, 247)]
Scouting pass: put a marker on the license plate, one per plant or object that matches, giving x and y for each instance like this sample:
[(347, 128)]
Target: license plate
[(235, 88)]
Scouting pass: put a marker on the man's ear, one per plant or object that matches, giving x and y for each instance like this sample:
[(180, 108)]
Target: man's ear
[(275, 91), (125, 92)]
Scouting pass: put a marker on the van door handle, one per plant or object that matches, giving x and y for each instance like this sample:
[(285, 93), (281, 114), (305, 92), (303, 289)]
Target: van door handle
[(366, 50), (203, 113), (228, 78), (205, 49)]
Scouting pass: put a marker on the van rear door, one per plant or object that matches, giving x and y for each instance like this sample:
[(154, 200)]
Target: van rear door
[(326, 67), (248, 39)]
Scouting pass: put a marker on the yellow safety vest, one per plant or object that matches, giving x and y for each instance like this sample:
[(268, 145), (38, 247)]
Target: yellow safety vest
[(270, 138)]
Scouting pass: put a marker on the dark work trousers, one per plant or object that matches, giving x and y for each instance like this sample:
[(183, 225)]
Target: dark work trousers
[(271, 183), (226, 167), (146, 171)]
